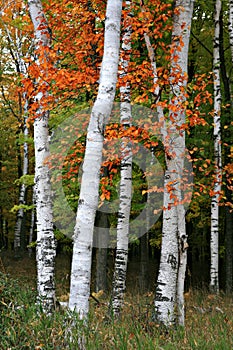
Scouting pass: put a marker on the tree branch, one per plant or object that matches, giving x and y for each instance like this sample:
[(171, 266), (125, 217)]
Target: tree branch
[(201, 43), (8, 104)]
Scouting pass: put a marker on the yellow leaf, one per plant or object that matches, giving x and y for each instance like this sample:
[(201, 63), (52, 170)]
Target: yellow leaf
[(98, 294)]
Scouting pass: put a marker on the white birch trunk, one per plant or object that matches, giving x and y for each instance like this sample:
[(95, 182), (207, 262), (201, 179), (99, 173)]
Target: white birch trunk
[(165, 296), (184, 17), (229, 218), (46, 245), (229, 251), (214, 273), (88, 199), (31, 231), (165, 299), (170, 284), (230, 27), (22, 191), (21, 68), (120, 269)]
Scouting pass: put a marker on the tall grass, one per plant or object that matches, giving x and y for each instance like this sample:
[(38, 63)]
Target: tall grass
[(209, 323)]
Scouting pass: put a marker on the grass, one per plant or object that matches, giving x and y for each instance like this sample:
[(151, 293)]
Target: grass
[(209, 323)]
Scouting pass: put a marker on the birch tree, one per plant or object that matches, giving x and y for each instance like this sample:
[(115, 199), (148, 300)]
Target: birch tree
[(230, 26), (170, 282), (229, 214), (214, 246), (119, 278), (23, 188), (21, 66), (88, 199), (31, 230), (14, 43), (46, 246)]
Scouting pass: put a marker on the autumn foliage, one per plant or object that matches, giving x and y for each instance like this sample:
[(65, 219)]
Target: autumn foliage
[(69, 70)]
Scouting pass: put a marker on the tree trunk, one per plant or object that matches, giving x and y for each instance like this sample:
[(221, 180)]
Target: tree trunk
[(101, 269), (46, 245), (21, 68), (230, 27), (31, 231), (120, 268), (165, 295), (144, 261), (227, 136), (214, 244), (229, 251), (170, 283), (102, 239), (22, 191), (88, 199)]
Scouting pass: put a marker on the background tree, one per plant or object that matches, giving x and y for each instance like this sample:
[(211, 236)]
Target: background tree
[(214, 246), (13, 50), (227, 138)]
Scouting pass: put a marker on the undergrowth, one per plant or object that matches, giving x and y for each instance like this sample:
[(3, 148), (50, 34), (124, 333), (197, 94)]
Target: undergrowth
[(209, 323)]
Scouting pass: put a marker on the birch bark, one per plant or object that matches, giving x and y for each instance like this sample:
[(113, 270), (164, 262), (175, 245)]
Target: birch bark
[(31, 230), (21, 68), (230, 26), (46, 245), (229, 251), (184, 17), (170, 283), (22, 196), (229, 215), (88, 200), (119, 278), (214, 273), (23, 188)]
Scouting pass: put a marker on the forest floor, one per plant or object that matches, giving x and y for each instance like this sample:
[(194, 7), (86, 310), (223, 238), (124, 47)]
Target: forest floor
[(209, 318)]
